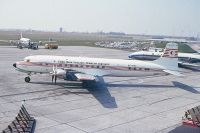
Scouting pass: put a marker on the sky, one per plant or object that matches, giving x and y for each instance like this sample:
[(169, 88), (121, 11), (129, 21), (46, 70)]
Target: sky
[(155, 17)]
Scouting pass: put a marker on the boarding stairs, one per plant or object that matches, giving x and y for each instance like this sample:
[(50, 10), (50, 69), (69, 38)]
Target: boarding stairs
[(192, 117), (23, 123)]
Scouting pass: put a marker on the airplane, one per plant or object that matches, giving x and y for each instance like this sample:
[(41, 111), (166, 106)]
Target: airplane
[(26, 42), (23, 43), (188, 60), (89, 70), (152, 54)]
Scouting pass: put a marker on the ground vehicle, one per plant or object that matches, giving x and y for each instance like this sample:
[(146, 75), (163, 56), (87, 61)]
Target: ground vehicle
[(51, 46), (33, 46)]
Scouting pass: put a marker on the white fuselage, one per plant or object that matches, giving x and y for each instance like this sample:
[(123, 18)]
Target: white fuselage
[(152, 55), (189, 55), (25, 41), (146, 55), (92, 66)]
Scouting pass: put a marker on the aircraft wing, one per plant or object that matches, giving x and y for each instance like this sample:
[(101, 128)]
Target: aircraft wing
[(12, 42), (82, 76), (7, 41), (176, 73), (93, 72)]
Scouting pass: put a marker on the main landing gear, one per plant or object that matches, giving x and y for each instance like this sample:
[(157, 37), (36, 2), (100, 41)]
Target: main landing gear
[(27, 79)]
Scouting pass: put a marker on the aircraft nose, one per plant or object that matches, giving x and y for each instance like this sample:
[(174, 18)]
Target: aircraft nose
[(14, 65)]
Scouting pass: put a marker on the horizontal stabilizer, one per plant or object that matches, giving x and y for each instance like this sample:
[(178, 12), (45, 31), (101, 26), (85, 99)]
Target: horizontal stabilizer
[(176, 73)]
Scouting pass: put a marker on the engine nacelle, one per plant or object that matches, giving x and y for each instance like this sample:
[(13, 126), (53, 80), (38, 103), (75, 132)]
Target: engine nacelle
[(60, 72), (66, 75)]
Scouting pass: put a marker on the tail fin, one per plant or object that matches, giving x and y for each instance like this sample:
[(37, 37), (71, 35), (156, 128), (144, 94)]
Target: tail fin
[(171, 50), (169, 59), (21, 35)]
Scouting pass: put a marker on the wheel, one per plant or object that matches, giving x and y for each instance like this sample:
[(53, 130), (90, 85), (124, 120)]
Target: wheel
[(27, 79)]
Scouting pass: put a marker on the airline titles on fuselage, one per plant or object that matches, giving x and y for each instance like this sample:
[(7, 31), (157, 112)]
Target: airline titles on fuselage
[(81, 64)]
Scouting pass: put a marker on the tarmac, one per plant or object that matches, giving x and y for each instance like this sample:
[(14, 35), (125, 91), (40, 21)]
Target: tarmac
[(122, 105)]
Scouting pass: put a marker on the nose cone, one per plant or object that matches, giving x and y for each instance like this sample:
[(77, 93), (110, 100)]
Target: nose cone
[(131, 56), (14, 65)]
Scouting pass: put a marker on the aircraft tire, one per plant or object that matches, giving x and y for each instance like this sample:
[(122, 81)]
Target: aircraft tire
[(27, 79)]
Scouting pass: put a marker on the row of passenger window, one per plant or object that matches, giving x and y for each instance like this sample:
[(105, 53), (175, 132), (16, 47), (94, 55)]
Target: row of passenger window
[(93, 66), (134, 68), (84, 66), (81, 63)]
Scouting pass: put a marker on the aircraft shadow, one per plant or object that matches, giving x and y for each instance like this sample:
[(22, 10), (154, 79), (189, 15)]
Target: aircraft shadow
[(185, 87), (175, 84), (61, 84), (100, 92), (139, 85), (185, 129)]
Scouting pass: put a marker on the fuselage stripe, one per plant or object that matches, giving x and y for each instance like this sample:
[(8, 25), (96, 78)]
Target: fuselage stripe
[(73, 66)]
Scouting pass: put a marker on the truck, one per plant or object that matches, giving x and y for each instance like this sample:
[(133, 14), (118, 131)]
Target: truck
[(51, 46)]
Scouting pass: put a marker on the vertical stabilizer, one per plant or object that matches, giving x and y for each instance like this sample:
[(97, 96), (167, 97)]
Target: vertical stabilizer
[(171, 51), (169, 59), (21, 35)]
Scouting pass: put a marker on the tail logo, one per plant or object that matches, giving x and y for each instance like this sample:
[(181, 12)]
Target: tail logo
[(171, 50), (170, 53)]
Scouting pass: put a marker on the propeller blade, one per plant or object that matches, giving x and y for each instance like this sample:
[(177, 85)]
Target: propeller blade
[(54, 74), (52, 78), (55, 78), (53, 69)]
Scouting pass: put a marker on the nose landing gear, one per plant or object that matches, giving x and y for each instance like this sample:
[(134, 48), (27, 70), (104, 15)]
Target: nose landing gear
[(27, 79)]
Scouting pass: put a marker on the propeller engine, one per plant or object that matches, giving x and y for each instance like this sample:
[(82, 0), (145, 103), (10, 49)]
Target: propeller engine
[(57, 72)]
